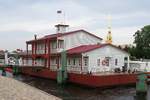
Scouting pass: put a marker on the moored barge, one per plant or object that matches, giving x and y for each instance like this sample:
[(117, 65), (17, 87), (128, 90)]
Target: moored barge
[(88, 60)]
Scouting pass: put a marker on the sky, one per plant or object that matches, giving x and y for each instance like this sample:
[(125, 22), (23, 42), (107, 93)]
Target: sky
[(21, 19)]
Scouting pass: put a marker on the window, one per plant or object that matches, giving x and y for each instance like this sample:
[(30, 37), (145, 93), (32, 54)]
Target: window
[(60, 44), (69, 61), (107, 61), (54, 61), (54, 45), (116, 62), (74, 61), (85, 61), (79, 62), (98, 62), (125, 58)]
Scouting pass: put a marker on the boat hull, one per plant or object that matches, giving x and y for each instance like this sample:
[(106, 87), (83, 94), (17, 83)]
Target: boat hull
[(86, 79)]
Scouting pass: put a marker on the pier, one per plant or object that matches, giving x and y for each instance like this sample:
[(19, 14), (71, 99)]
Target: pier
[(11, 89)]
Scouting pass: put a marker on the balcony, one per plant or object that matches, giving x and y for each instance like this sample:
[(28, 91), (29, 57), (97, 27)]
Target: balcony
[(56, 50), (40, 51)]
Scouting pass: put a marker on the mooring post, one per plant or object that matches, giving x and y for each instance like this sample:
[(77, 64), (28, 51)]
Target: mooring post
[(141, 87), (62, 72), (15, 70), (16, 66), (3, 72)]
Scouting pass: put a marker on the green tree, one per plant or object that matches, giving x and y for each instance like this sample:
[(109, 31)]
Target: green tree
[(142, 41)]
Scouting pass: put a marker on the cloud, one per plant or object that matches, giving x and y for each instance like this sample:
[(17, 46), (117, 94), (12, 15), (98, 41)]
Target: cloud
[(20, 19)]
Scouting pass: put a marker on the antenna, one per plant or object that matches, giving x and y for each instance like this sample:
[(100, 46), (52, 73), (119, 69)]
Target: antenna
[(59, 13), (61, 17), (61, 26)]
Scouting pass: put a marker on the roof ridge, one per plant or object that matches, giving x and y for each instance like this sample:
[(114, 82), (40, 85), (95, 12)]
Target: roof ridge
[(63, 34)]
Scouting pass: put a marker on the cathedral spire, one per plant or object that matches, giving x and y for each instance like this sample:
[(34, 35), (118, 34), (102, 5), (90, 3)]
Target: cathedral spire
[(109, 35)]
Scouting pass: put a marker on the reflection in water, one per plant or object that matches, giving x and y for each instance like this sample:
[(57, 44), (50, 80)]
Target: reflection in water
[(75, 92)]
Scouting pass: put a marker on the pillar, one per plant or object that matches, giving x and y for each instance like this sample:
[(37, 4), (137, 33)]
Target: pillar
[(81, 63), (27, 53), (128, 63), (45, 52), (48, 53), (33, 47)]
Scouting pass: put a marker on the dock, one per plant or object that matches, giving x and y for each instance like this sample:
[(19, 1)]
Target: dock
[(11, 89)]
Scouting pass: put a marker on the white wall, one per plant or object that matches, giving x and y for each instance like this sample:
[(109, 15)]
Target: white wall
[(2, 61), (79, 38), (140, 66), (101, 53), (70, 41)]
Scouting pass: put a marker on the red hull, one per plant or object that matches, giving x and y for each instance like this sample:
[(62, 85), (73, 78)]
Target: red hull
[(85, 79)]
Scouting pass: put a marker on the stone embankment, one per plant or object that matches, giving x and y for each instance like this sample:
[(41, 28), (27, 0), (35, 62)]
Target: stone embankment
[(11, 89)]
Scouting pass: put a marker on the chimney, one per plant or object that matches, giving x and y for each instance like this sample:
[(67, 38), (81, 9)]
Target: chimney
[(61, 28), (35, 36)]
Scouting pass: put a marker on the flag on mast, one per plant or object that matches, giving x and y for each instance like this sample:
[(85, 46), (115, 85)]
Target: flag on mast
[(60, 16), (59, 11)]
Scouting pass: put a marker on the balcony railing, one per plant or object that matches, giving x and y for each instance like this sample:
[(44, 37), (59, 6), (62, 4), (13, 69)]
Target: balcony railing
[(71, 68), (53, 67), (40, 52), (56, 50)]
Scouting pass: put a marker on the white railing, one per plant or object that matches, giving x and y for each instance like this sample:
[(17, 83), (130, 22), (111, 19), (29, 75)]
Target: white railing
[(56, 50), (40, 51), (139, 66), (53, 67), (38, 64), (71, 68), (100, 69), (2, 61), (77, 69), (85, 69)]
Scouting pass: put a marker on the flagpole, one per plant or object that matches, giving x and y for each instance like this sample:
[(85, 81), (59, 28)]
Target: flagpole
[(59, 12)]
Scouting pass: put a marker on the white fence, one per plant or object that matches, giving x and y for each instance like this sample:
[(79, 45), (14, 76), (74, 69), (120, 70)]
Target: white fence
[(71, 68), (53, 67), (139, 66), (77, 69)]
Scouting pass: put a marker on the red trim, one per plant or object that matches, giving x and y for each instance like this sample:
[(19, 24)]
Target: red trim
[(49, 53), (27, 53), (45, 52), (9, 70), (87, 79), (81, 63)]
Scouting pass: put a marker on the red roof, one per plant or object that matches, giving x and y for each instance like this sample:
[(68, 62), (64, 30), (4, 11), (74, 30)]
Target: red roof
[(53, 36), (86, 48)]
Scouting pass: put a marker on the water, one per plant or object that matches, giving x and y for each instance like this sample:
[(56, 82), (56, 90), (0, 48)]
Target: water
[(76, 92)]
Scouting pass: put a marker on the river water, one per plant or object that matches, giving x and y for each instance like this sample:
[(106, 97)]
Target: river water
[(76, 92)]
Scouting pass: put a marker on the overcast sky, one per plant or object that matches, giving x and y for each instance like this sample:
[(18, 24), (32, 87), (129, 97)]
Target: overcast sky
[(21, 19)]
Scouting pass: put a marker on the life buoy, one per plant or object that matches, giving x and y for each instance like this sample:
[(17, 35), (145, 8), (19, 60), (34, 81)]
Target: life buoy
[(104, 62)]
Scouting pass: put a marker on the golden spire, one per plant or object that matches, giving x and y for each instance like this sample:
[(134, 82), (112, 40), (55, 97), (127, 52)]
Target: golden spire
[(109, 36)]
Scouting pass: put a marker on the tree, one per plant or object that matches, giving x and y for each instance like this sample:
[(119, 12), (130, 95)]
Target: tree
[(142, 41)]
